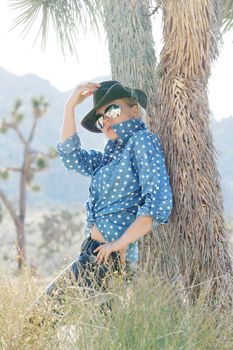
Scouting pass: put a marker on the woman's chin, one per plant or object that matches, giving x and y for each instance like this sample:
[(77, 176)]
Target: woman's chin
[(110, 133)]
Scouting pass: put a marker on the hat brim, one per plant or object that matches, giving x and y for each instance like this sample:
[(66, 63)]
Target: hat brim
[(115, 92)]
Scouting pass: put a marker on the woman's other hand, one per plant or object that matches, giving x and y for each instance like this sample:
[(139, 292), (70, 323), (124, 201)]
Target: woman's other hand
[(105, 250), (81, 92)]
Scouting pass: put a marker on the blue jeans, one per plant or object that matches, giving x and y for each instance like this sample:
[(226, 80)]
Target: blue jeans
[(86, 273)]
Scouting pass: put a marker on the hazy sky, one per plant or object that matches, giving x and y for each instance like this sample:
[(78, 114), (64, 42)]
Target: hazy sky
[(19, 56)]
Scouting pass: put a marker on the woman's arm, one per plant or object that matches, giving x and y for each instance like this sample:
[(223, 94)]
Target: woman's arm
[(75, 158), (76, 98), (156, 194), (68, 125), (71, 153), (137, 229)]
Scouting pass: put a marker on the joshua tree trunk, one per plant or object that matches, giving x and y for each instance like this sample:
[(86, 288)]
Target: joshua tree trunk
[(21, 246), (131, 48), (196, 243), (19, 224)]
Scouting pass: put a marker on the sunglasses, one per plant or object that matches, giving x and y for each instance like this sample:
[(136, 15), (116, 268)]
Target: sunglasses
[(112, 111)]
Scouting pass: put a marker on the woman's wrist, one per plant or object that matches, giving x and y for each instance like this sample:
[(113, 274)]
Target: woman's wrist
[(70, 106), (119, 244)]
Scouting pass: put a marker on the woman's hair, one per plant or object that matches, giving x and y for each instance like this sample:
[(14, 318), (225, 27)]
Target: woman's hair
[(132, 101)]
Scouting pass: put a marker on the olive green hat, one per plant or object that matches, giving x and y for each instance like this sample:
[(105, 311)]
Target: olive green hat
[(108, 91)]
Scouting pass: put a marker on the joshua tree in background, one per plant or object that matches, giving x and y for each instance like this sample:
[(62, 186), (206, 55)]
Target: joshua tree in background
[(193, 247), (33, 162)]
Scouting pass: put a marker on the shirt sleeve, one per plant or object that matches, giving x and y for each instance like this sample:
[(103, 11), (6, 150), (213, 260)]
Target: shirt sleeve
[(77, 159), (156, 194)]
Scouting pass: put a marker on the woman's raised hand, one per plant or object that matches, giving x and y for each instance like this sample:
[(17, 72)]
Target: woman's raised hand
[(81, 92)]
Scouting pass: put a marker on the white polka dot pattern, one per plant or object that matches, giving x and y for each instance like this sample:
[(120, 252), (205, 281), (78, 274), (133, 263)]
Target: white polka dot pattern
[(76, 158), (128, 179)]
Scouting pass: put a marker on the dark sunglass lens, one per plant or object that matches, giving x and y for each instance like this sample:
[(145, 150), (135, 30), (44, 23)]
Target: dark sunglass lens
[(112, 106), (114, 111), (99, 122)]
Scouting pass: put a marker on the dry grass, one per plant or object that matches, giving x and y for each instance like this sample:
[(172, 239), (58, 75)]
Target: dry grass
[(146, 314)]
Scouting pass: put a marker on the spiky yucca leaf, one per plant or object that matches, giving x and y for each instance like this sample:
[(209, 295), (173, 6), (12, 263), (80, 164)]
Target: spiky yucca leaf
[(227, 13), (66, 15)]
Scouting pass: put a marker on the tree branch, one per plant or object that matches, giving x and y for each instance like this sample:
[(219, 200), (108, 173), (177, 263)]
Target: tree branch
[(10, 208)]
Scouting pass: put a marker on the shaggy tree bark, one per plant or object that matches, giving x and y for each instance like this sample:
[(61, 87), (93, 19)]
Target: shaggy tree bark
[(131, 48), (196, 242)]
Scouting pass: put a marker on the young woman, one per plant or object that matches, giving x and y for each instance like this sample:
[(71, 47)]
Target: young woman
[(129, 191)]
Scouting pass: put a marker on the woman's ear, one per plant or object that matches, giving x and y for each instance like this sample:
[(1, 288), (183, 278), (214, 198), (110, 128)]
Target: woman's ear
[(135, 110)]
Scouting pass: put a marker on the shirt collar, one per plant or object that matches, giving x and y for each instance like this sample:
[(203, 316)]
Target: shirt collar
[(125, 130)]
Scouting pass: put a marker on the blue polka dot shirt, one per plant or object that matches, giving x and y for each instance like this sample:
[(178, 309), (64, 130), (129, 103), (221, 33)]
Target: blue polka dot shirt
[(128, 179)]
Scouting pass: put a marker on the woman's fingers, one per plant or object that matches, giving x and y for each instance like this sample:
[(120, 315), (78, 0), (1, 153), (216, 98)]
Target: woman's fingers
[(100, 257), (86, 91), (103, 254), (88, 88), (90, 85), (96, 249), (81, 92), (122, 256)]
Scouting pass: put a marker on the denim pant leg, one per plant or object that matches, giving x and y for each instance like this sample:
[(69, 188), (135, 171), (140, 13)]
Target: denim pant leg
[(68, 276), (86, 273), (83, 272)]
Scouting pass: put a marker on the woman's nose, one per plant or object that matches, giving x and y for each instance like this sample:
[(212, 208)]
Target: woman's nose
[(106, 121)]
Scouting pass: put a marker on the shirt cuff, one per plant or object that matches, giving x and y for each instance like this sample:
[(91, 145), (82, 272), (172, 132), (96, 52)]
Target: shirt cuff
[(70, 144)]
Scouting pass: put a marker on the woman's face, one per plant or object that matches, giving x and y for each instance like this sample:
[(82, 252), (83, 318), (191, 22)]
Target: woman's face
[(127, 112)]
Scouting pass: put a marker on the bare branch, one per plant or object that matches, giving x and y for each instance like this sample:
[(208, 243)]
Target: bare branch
[(20, 135), (10, 207), (31, 135), (227, 13)]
